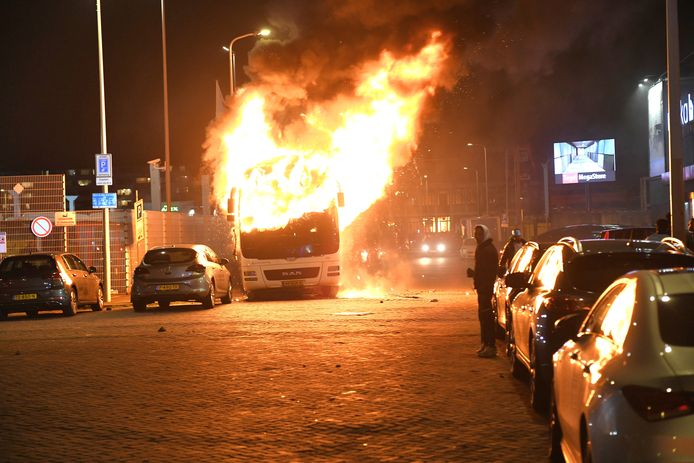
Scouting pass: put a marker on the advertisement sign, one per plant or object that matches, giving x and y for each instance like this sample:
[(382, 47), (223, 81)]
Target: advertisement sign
[(586, 161), (3, 242), (104, 201)]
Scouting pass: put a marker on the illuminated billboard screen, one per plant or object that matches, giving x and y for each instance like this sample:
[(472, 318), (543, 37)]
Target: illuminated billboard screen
[(586, 161)]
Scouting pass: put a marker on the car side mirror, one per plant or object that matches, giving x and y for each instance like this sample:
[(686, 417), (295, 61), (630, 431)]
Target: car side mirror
[(223, 261), (92, 269), (567, 327), (518, 280)]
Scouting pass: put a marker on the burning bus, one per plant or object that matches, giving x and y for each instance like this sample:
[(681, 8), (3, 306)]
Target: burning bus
[(283, 156), (302, 255)]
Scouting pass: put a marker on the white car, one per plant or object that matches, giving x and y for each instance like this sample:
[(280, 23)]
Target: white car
[(624, 386)]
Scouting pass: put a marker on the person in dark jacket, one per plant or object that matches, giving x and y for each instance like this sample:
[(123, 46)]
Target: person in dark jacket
[(512, 246), (484, 275)]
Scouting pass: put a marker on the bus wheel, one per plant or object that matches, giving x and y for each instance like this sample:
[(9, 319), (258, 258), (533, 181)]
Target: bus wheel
[(330, 291)]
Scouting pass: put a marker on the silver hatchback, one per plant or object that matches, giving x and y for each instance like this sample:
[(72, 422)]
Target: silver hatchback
[(184, 272)]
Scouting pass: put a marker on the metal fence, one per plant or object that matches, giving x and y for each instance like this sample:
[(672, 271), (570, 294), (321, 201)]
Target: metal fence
[(23, 198)]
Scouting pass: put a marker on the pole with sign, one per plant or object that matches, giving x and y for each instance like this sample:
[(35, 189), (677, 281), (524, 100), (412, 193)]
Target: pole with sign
[(104, 149)]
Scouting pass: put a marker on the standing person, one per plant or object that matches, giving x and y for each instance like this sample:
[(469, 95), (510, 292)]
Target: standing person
[(662, 229), (513, 244), (690, 235), (484, 275)]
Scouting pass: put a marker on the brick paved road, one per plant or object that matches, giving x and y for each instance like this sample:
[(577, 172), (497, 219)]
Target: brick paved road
[(319, 380)]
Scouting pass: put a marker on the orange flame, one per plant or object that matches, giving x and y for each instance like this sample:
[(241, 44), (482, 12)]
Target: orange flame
[(351, 143)]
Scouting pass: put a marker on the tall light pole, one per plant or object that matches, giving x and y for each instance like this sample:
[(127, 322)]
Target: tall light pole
[(167, 157), (104, 150), (477, 187), (232, 57), (677, 226), (486, 180)]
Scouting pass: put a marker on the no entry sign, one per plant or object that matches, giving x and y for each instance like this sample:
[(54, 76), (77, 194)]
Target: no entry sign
[(41, 226)]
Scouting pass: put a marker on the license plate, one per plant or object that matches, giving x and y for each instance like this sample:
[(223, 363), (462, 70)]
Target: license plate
[(25, 297), (167, 287), (293, 283)]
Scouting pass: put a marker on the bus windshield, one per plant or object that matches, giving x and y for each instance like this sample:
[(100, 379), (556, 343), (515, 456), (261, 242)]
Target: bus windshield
[(313, 234)]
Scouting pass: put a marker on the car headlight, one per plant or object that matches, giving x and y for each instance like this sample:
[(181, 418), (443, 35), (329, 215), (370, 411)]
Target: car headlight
[(425, 248), (440, 247)]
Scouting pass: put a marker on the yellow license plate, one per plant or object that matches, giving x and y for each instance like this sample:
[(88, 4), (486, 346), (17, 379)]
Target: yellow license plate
[(25, 297), (293, 283), (167, 287)]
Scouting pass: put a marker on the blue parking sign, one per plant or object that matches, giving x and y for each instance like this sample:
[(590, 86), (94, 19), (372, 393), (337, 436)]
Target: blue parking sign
[(104, 201), (103, 165)]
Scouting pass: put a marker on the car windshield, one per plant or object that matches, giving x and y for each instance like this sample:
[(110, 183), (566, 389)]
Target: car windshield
[(169, 256), (676, 319), (595, 272), (313, 234), (34, 265)]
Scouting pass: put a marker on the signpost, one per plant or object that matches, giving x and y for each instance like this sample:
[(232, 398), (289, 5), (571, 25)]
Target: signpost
[(104, 169), (41, 226)]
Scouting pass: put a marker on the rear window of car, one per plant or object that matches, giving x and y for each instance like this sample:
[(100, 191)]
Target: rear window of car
[(169, 256), (597, 271), (676, 319), (27, 265)]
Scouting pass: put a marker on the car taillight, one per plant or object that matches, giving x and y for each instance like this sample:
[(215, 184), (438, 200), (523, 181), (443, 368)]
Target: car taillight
[(196, 268), (56, 280), (140, 271), (656, 404)]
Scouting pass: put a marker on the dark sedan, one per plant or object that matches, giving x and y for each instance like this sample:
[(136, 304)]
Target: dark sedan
[(35, 282), (569, 278)]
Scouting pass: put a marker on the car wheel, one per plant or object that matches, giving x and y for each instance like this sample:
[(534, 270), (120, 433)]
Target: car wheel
[(586, 446), (538, 385), (226, 299), (99, 305), (164, 304), (139, 306), (555, 435), (330, 291), (208, 302), (517, 369), (508, 335), (71, 308)]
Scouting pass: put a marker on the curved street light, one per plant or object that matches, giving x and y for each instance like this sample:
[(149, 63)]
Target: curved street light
[(232, 58)]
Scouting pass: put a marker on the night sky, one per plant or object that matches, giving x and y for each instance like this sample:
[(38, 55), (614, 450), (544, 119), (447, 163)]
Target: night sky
[(524, 71)]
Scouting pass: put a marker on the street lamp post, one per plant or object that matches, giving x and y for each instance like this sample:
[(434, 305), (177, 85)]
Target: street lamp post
[(232, 57), (477, 188), (486, 180)]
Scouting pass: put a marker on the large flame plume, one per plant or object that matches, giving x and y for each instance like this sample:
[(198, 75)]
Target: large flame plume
[(287, 162)]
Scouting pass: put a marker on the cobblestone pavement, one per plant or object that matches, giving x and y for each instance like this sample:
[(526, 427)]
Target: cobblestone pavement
[(363, 380)]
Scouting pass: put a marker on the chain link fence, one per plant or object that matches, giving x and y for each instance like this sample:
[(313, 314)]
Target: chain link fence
[(44, 195)]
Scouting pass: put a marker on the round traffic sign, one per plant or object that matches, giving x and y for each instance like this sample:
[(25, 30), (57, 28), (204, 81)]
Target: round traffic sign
[(41, 226)]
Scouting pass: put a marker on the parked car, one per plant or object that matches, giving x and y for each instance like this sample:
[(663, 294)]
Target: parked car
[(623, 385), (467, 248), (627, 233), (581, 231), (569, 278), (184, 272), (524, 261), (35, 282)]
